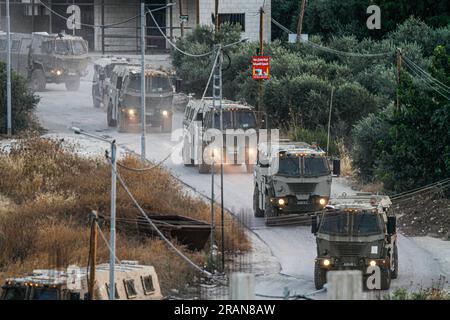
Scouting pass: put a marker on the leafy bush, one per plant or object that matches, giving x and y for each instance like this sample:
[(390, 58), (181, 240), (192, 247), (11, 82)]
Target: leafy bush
[(23, 103), (318, 136)]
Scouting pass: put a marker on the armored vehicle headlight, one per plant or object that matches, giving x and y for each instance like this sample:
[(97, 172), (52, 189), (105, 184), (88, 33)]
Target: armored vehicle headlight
[(326, 262), (281, 202), (131, 112), (58, 72), (165, 113), (323, 201), (372, 263), (251, 151)]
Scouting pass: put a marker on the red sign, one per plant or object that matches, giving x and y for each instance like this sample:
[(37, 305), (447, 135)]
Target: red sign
[(260, 68)]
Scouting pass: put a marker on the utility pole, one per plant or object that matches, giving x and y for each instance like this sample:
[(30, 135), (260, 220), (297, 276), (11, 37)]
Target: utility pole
[(143, 116), (399, 68), (216, 15), (93, 254), (329, 120), (261, 53), (103, 27), (8, 71), (112, 231), (300, 20)]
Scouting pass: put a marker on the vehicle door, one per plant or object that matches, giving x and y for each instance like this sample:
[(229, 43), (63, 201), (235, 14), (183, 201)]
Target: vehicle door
[(23, 57)]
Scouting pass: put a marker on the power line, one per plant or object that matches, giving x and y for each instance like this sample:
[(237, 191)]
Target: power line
[(331, 50), (173, 44), (107, 244), (162, 236)]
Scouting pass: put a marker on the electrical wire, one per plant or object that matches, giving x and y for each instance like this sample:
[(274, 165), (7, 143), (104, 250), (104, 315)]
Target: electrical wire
[(107, 244), (426, 74), (334, 51), (173, 44), (161, 235), (211, 74), (426, 81)]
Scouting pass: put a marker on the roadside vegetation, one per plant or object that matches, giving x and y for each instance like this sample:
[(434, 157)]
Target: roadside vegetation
[(50, 192), (23, 105), (387, 148)]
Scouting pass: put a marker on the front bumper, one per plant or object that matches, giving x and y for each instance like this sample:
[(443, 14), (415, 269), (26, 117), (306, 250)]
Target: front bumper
[(292, 205)]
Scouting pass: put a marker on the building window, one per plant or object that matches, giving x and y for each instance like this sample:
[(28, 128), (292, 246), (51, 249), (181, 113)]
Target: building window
[(233, 18), (147, 284), (129, 288), (38, 10)]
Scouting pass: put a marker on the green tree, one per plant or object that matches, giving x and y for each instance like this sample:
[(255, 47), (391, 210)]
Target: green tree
[(23, 102)]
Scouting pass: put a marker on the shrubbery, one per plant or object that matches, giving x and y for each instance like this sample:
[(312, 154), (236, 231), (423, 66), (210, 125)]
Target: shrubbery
[(23, 103)]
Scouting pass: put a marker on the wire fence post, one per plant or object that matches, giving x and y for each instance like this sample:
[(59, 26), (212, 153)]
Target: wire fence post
[(112, 236), (242, 286)]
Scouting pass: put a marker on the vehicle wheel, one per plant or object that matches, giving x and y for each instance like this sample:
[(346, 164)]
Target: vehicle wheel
[(111, 121), (385, 278), (320, 276), (394, 272), (38, 81), (188, 162), (166, 126), (204, 168), (73, 85), (258, 213), (249, 167)]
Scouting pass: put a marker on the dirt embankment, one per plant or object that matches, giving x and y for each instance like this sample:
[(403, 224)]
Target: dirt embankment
[(52, 191), (424, 215)]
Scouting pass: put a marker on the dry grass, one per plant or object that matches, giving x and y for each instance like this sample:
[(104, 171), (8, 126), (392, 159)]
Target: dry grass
[(346, 162), (54, 191)]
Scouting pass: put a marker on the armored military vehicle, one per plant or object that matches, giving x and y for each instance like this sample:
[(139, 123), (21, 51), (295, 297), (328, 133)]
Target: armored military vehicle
[(124, 99), (134, 281), (290, 178), (355, 233), (47, 58), (239, 136), (102, 73)]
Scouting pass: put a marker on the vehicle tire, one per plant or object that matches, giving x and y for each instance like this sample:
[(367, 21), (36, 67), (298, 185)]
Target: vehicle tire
[(204, 168), (73, 85), (257, 212), (249, 167), (111, 121), (320, 276), (385, 278), (394, 272), (188, 162), (166, 126), (38, 81)]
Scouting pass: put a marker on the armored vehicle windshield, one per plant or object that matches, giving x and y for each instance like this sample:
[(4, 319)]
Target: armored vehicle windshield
[(235, 119), (154, 84), (362, 223), (293, 165)]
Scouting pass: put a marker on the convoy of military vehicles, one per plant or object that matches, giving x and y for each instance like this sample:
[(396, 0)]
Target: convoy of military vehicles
[(43, 58), (291, 179)]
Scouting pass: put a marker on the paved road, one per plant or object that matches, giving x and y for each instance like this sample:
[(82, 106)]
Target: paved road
[(293, 248)]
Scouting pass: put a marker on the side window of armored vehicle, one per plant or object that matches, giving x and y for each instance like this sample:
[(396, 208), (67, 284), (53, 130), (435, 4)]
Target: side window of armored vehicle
[(119, 83), (2, 45), (116, 293), (47, 47), (130, 289), (147, 284), (14, 293), (113, 79), (187, 113), (15, 46), (79, 47)]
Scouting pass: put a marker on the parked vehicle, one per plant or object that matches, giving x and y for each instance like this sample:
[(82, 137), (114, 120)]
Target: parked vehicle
[(134, 282), (355, 233), (44, 58)]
